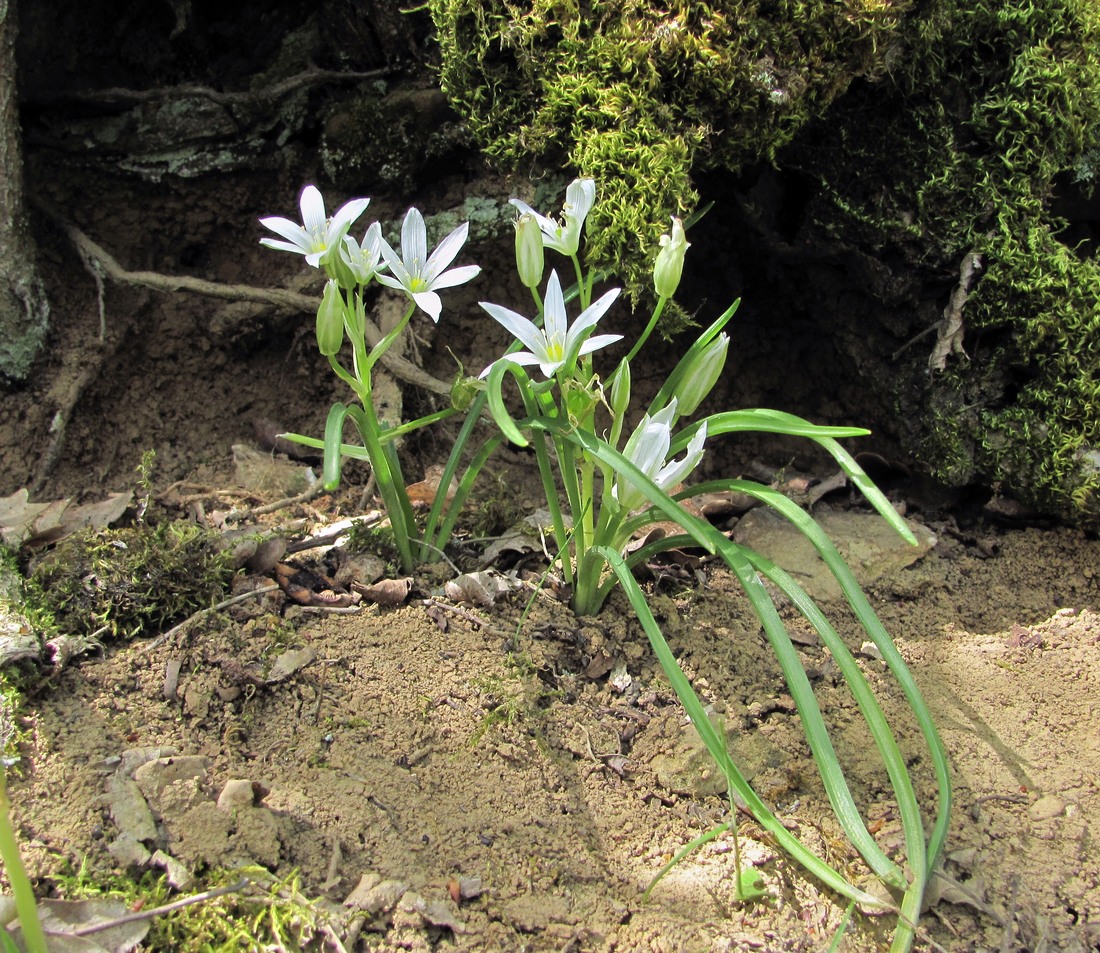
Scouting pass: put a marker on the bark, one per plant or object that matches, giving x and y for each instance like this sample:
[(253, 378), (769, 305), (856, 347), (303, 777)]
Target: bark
[(24, 310)]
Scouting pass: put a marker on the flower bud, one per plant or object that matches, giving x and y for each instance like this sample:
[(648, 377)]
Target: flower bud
[(529, 253), (670, 260), (464, 390), (337, 267), (620, 390), (330, 320), (701, 375)]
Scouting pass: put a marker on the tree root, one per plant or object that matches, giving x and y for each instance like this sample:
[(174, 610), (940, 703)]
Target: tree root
[(89, 250), (125, 98)]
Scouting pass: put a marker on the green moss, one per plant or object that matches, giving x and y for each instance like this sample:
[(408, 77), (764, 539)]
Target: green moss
[(638, 94), (120, 584), (269, 913), (991, 105)]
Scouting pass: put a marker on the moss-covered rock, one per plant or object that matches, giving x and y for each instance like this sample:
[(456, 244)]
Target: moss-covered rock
[(992, 108), (921, 132), (638, 94)]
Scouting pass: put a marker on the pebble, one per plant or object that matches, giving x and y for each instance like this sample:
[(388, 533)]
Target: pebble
[(1046, 808)]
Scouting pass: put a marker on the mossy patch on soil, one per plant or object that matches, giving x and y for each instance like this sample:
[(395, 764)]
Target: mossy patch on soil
[(118, 584)]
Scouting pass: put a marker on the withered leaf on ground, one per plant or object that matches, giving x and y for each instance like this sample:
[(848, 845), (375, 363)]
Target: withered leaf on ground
[(309, 588), (386, 592), (290, 662), (39, 524), (526, 536), (422, 495), (481, 588), (61, 917)]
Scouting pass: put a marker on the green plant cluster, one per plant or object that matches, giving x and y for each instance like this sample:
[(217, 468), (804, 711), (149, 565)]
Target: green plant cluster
[(638, 95), (927, 129), (989, 107), (270, 913), (118, 584)]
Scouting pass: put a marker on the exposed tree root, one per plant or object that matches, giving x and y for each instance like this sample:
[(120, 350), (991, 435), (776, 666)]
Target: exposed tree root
[(89, 250)]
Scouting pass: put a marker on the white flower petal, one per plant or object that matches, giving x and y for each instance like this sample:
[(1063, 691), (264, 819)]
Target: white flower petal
[(554, 321), (594, 312), (283, 246), (580, 197), (456, 276), (401, 277), (597, 341), (414, 242), (522, 358), (313, 208), (517, 325), (446, 251), (430, 303), (291, 231), (347, 214), (673, 473)]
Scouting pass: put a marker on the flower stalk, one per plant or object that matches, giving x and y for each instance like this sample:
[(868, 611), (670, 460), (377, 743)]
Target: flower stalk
[(351, 267)]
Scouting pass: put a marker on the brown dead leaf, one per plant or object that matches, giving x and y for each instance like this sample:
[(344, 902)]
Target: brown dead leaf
[(39, 524), (386, 592), (422, 495), (291, 662), (309, 588), (61, 917), (480, 588)]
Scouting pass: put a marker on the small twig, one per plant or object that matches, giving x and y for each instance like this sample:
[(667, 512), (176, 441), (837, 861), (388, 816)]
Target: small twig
[(156, 911), (920, 336), (465, 614), (1010, 916), (235, 516), (368, 491), (164, 637), (325, 539), (60, 421)]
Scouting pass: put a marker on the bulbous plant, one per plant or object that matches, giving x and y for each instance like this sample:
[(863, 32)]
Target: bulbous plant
[(614, 489), (604, 491), (351, 266)]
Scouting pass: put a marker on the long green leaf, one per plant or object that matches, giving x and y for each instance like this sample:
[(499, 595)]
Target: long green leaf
[(776, 421), (716, 745), (334, 428)]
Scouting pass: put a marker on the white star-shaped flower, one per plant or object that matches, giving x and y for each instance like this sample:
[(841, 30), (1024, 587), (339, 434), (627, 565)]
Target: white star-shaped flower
[(555, 344), (316, 234), (417, 272), (565, 236), (647, 449)]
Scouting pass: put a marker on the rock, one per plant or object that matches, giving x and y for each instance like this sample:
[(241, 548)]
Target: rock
[(1046, 808), (129, 810), (374, 895), (869, 545)]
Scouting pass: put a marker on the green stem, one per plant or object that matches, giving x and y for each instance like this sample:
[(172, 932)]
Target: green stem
[(391, 487), (26, 907), (583, 288), (384, 345), (654, 318)]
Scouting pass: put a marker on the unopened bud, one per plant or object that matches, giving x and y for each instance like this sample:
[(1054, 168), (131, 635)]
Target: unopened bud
[(330, 320), (529, 252), (464, 390), (670, 260), (620, 390), (701, 375)]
